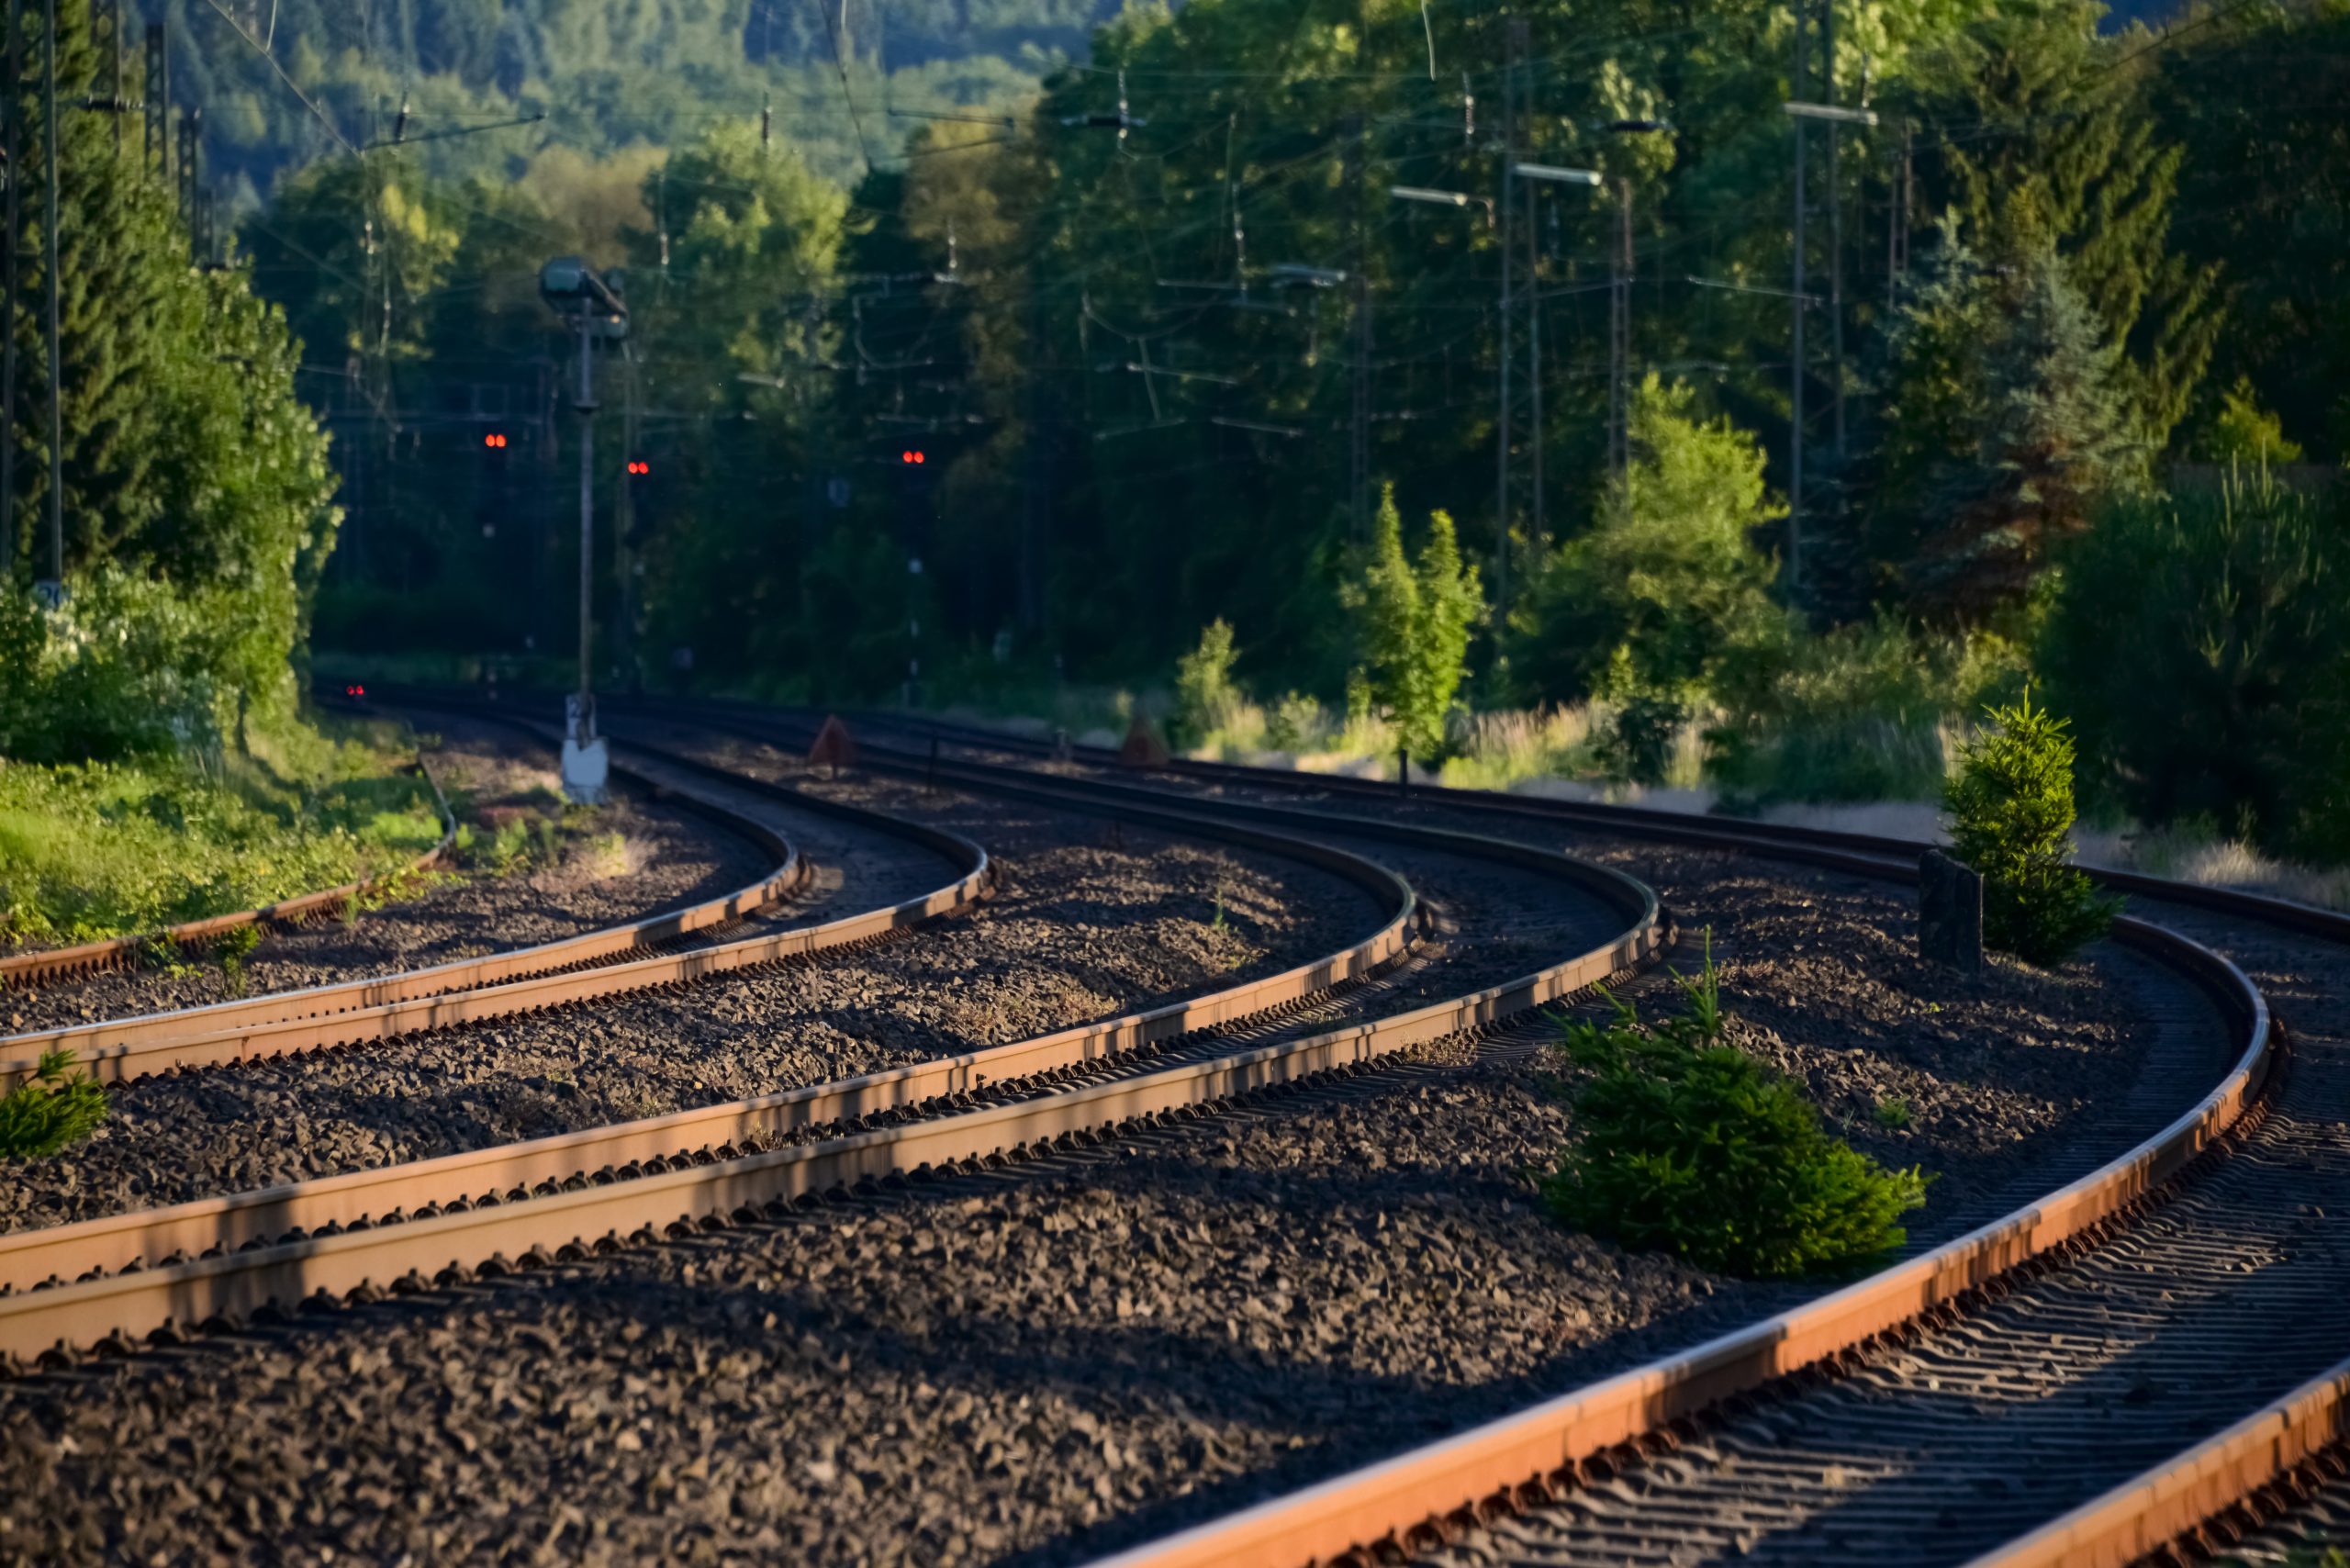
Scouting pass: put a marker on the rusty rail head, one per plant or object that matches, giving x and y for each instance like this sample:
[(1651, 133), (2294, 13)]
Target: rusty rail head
[(1648, 822), (114, 1242), (1397, 1494), (2142, 1516), (344, 1012), (28, 968), (117, 1308)]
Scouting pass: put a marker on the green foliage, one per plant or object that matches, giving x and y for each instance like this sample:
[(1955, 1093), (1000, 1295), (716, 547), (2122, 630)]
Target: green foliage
[(1860, 712), (1205, 694), (2244, 433), (2260, 197), (1412, 622), (1668, 591), (1690, 1146), (52, 1108), (232, 949), (108, 849), (2202, 643), (186, 454), (1892, 1115), (2057, 118), (2011, 806), (2004, 428)]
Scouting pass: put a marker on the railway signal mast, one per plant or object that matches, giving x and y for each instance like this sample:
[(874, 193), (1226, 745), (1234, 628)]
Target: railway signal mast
[(574, 291)]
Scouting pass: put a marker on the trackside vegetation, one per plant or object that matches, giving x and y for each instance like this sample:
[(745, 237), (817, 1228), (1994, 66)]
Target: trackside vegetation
[(2011, 819), (52, 1108), (1689, 1145)]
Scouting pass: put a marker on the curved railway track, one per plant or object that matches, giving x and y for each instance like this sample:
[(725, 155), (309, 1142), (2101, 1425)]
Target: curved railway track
[(1680, 1461), (163, 1272), (677, 947), (1954, 1409)]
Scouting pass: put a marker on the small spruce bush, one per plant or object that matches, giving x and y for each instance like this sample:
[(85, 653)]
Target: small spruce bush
[(1692, 1147), (52, 1108), (2011, 819)]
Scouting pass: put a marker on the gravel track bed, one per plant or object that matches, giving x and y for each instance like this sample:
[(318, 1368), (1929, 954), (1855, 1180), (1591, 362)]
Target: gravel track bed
[(673, 856), (1079, 929), (1038, 1364)]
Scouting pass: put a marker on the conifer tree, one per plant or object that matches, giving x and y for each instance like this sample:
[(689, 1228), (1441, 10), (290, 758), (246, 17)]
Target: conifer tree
[(2059, 117), (188, 457), (1415, 624), (2004, 425)]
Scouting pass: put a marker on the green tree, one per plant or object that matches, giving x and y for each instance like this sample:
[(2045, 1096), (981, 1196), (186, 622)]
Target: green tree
[(2059, 117), (733, 332), (2246, 433), (1414, 624), (2010, 806), (193, 473), (1205, 694), (1668, 588), (2004, 429), (1690, 1146), (2203, 645)]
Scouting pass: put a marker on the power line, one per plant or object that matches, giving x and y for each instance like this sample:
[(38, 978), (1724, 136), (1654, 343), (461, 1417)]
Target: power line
[(840, 62)]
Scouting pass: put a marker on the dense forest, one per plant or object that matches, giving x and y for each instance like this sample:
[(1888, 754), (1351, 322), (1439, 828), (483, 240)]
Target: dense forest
[(1166, 301)]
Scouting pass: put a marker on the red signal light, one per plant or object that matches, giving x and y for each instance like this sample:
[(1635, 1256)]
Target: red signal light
[(910, 455), (638, 467), (495, 441)]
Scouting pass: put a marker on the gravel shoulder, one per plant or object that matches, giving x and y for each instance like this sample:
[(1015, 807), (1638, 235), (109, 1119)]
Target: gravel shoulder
[(1088, 921), (666, 857), (1043, 1363)]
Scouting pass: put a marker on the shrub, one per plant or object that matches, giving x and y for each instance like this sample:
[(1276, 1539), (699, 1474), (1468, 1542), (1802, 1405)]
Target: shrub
[(1692, 1147), (52, 1108), (2202, 644), (1205, 693), (1667, 591), (2011, 819), (1864, 713), (233, 948)]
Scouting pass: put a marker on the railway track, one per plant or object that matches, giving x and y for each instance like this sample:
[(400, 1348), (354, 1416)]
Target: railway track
[(2030, 1394), (678, 947), (163, 1274)]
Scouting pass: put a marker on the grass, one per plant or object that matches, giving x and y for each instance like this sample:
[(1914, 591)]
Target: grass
[(2196, 852), (110, 849)]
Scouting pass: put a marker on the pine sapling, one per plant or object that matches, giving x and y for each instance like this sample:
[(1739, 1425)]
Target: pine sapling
[(2011, 819), (52, 1108)]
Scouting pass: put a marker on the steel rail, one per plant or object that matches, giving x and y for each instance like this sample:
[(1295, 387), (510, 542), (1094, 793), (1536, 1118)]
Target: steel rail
[(511, 1172), (103, 1045), (113, 1310), (2175, 1498), (19, 969), (1518, 1460), (1643, 822)]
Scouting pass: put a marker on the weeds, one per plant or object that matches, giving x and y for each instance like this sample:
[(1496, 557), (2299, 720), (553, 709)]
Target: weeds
[(52, 1108), (232, 949), (1689, 1145), (1893, 1114)]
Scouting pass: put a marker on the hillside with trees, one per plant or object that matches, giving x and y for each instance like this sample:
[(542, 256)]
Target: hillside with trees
[(1159, 309)]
